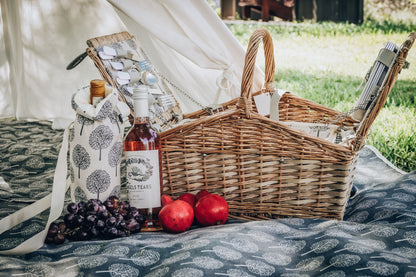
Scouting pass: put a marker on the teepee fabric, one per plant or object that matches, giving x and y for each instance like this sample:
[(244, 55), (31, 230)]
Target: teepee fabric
[(186, 41), (41, 38)]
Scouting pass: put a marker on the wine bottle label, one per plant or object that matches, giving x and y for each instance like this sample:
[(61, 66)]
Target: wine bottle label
[(143, 179)]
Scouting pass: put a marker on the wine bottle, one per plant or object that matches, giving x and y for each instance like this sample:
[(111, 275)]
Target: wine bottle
[(97, 91), (143, 162)]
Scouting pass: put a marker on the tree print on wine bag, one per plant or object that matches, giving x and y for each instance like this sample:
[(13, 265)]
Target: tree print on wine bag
[(98, 182), (81, 158), (114, 156), (105, 111), (84, 121), (101, 138)]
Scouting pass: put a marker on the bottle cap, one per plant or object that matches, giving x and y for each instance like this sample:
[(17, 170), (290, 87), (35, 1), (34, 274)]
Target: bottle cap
[(141, 102), (96, 83)]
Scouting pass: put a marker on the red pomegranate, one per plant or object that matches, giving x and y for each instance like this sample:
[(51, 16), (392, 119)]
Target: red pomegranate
[(177, 216), (201, 194), (166, 199), (211, 210), (188, 197)]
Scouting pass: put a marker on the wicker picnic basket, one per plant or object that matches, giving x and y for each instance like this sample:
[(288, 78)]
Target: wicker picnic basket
[(263, 168)]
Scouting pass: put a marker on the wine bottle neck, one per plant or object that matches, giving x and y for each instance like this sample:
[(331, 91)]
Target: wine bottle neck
[(97, 91), (141, 108)]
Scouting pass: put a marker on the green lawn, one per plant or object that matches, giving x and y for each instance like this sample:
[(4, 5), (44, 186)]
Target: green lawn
[(326, 63)]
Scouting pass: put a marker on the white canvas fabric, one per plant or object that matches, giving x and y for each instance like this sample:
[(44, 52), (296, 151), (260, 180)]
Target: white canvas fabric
[(41, 38), (185, 40), (7, 48)]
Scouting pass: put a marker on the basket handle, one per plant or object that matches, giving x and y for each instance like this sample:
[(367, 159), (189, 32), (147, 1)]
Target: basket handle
[(256, 38), (385, 91)]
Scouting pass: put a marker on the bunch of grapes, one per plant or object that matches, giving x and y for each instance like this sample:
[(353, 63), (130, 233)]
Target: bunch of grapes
[(96, 219)]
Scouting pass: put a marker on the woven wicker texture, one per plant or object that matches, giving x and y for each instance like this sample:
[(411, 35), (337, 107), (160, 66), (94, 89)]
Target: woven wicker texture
[(100, 41), (163, 119), (263, 168)]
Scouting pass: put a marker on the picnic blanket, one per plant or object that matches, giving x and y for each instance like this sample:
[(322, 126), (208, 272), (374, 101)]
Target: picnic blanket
[(376, 238)]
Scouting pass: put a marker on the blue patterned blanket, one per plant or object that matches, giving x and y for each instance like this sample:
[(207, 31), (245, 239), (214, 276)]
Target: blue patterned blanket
[(376, 238)]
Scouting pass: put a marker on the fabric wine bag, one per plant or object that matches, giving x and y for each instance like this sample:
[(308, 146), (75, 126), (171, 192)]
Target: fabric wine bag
[(95, 143), (96, 146)]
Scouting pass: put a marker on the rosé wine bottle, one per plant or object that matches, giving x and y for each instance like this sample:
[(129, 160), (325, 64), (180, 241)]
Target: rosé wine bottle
[(143, 163)]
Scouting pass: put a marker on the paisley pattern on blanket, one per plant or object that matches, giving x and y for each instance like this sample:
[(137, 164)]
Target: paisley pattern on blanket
[(376, 238)]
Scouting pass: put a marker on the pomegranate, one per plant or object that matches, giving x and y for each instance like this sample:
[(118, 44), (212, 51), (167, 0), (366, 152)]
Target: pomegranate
[(177, 216), (188, 197), (166, 199), (201, 194), (211, 210)]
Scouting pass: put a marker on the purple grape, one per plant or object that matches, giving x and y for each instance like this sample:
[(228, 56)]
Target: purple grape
[(121, 224), (53, 230), (90, 221), (98, 201), (70, 221), (81, 234), (125, 205), (140, 219), (102, 208), (100, 224), (93, 207), (49, 240), (123, 213), (103, 214), (133, 226), (111, 233), (59, 239), (93, 232), (111, 222), (82, 205), (78, 220), (62, 227), (113, 198), (121, 234), (68, 218), (71, 234), (119, 217), (133, 212), (96, 219), (72, 208), (112, 203)]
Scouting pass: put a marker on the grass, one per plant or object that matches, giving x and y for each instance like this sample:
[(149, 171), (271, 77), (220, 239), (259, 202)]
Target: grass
[(326, 62)]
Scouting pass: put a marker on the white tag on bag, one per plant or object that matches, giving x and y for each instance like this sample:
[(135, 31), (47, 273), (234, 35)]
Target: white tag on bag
[(274, 104), (262, 102)]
